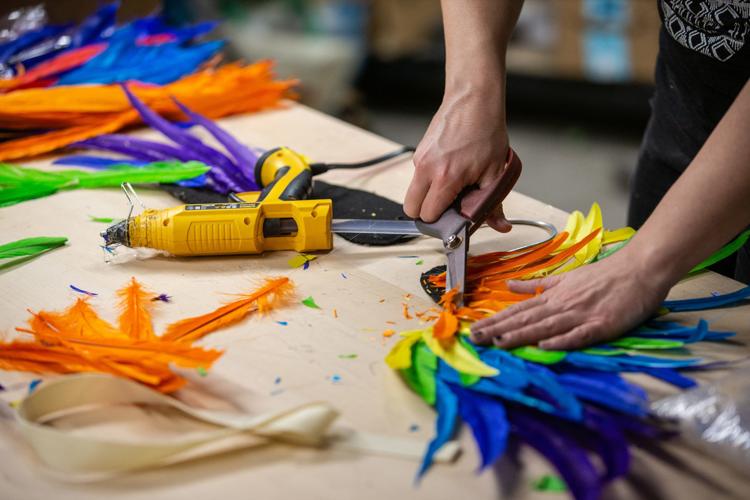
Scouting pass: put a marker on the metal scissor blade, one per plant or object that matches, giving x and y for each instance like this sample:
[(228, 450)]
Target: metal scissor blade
[(456, 270), (374, 226)]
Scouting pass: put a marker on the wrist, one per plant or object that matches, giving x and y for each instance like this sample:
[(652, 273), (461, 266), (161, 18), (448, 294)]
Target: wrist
[(652, 263)]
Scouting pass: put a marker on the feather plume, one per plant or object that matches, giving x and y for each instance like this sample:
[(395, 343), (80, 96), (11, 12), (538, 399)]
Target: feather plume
[(273, 293), (78, 340), (136, 305)]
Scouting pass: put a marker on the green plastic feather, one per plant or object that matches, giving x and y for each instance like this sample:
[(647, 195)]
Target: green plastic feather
[(19, 184), (26, 249), (646, 343), (536, 355), (723, 252)]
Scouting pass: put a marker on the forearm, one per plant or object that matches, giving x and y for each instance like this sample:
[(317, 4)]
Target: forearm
[(706, 207), (476, 38)]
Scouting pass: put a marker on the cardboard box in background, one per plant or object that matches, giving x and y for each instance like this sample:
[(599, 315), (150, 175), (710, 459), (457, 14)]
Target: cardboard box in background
[(609, 41)]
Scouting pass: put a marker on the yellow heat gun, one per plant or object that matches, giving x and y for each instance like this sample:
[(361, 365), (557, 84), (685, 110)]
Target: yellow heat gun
[(279, 217)]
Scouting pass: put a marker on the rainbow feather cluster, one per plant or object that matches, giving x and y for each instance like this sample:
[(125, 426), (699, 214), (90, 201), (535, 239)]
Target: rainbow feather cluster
[(575, 408)]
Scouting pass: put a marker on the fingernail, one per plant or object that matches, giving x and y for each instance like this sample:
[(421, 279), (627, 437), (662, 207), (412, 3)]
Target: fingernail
[(477, 335), (500, 342)]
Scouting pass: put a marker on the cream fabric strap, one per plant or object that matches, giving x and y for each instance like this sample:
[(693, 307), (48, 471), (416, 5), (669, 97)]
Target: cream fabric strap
[(82, 456)]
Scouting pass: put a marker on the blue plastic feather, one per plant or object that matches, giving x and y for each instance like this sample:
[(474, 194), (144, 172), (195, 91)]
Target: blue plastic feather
[(446, 404), (670, 376), (712, 302), (487, 420), (97, 162)]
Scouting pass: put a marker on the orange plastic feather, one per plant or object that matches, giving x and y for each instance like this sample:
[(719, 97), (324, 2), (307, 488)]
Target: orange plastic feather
[(273, 293), (136, 305), (77, 112), (78, 340)]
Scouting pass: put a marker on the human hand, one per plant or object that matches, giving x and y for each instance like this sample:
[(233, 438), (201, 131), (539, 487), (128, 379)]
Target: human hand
[(465, 144), (592, 304)]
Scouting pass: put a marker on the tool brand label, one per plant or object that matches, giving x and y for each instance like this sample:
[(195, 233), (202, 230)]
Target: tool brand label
[(221, 206)]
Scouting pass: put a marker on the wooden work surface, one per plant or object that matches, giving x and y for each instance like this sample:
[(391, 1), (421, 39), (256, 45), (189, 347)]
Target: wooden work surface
[(305, 353)]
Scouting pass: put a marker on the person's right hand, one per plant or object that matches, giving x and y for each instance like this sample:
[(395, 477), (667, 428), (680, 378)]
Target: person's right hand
[(465, 144)]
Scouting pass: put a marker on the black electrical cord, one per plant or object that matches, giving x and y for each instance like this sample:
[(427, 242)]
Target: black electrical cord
[(320, 168)]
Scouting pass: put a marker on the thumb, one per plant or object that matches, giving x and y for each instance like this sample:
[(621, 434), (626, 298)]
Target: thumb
[(498, 222), (531, 286)]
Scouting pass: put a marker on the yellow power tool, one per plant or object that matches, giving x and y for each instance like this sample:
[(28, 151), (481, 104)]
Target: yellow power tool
[(279, 217)]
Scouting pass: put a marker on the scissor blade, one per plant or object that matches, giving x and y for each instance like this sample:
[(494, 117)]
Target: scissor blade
[(374, 226), (456, 269)]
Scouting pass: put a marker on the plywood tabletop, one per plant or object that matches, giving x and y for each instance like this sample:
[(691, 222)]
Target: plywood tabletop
[(366, 286)]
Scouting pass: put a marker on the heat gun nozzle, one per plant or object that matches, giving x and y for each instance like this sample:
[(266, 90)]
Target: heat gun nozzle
[(117, 234)]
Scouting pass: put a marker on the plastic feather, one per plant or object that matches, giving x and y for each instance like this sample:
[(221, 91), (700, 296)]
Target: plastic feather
[(77, 340), (17, 252), (447, 408), (563, 452), (244, 158), (135, 316), (564, 404), (486, 417), (76, 113), (712, 302), (274, 292), (20, 184)]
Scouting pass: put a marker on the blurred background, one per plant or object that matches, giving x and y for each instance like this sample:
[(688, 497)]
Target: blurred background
[(579, 75)]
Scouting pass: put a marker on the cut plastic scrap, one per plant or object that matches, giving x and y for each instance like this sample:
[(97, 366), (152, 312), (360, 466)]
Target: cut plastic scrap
[(104, 220), (388, 333), (549, 484), (457, 356), (712, 302), (310, 302), (300, 260), (348, 356), (81, 290)]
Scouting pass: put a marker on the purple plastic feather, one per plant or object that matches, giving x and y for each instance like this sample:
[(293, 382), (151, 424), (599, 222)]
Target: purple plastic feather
[(570, 460), (116, 145), (242, 155), (199, 151)]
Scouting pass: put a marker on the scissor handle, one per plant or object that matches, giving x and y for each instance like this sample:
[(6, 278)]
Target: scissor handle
[(478, 204)]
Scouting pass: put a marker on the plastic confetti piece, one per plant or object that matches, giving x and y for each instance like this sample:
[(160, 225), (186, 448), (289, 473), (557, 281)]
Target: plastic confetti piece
[(81, 290), (348, 356), (344, 276), (104, 220), (335, 314), (34, 383), (277, 380), (310, 302), (301, 260), (405, 311), (283, 323), (550, 484), (335, 378), (389, 333), (201, 371), (419, 262)]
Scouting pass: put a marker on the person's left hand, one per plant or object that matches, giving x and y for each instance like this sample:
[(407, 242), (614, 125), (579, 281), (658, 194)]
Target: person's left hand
[(592, 304)]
